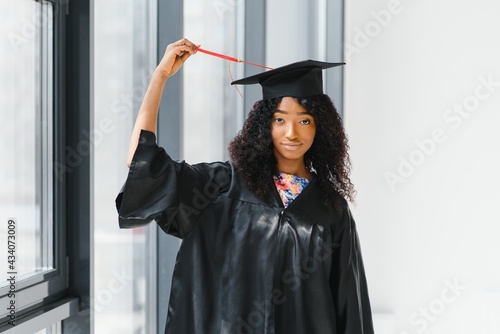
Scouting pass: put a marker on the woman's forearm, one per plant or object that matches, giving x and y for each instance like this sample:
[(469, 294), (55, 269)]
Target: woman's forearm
[(148, 113)]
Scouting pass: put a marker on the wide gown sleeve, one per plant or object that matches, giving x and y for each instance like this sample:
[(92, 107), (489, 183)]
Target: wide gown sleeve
[(174, 194), (348, 283)]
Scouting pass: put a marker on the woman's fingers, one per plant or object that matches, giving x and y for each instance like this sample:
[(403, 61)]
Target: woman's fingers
[(175, 55), (184, 55), (182, 46)]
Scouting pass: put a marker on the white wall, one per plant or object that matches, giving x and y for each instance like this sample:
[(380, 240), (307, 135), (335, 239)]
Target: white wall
[(429, 223)]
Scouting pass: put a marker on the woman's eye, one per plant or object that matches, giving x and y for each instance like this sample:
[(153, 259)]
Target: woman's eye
[(305, 122), (278, 120)]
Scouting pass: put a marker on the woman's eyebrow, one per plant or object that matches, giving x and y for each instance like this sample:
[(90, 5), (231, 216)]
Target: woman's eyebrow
[(299, 113)]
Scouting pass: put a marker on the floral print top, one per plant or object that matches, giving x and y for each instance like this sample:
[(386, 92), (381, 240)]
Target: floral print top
[(289, 186)]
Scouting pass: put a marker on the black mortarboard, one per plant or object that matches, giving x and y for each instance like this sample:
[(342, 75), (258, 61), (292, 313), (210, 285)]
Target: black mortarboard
[(300, 79)]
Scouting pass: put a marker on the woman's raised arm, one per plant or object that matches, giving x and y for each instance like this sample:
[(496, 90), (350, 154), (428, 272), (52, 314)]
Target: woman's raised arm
[(173, 59)]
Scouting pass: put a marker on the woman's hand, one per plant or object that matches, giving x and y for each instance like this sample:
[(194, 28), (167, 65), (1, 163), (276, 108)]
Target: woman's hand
[(175, 56)]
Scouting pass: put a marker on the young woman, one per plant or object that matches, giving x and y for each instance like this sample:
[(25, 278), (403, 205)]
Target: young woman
[(269, 244)]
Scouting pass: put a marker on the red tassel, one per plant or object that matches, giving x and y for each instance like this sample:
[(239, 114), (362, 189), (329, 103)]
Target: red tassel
[(231, 76), (236, 60)]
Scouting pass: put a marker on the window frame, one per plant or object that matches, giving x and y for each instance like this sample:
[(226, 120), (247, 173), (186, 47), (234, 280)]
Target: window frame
[(41, 298)]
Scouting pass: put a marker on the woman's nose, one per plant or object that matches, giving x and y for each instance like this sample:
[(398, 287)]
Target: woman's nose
[(291, 132)]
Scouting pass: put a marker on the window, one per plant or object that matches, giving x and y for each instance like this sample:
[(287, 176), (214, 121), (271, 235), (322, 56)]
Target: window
[(53, 329), (124, 262), (31, 256)]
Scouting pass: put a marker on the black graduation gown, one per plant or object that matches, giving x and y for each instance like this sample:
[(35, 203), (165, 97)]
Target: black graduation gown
[(247, 265)]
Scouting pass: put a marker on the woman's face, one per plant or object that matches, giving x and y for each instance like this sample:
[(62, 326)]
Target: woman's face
[(292, 130)]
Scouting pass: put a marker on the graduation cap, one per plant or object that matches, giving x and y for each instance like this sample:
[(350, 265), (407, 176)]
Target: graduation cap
[(300, 79)]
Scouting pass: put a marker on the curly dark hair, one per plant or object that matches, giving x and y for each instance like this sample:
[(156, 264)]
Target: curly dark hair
[(251, 151)]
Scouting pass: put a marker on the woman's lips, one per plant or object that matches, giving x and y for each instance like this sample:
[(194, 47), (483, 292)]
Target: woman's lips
[(290, 146)]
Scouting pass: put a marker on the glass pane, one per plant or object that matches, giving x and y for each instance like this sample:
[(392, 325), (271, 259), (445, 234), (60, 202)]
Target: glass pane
[(54, 329), (25, 195), (212, 107), (124, 58)]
